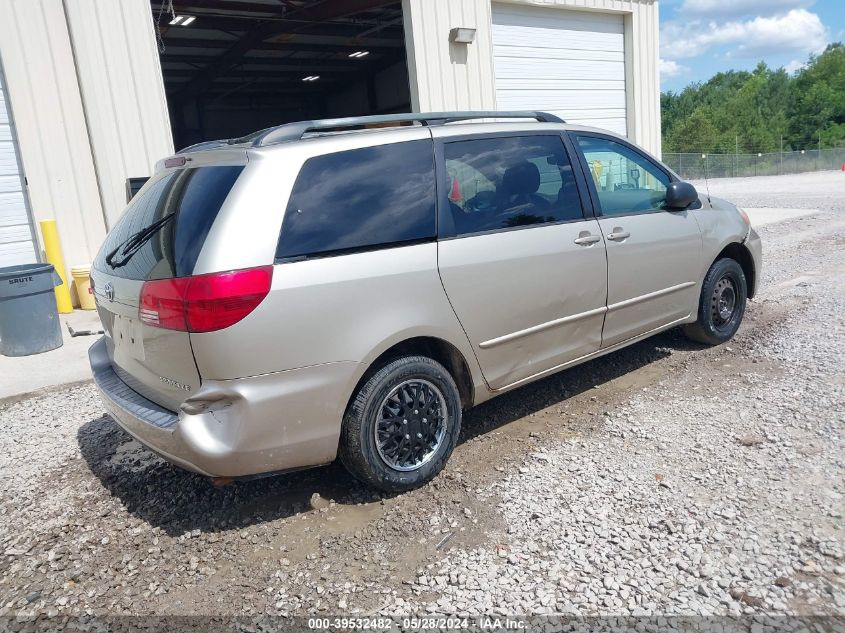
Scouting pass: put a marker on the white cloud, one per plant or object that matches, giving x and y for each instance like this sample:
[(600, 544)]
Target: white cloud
[(797, 30), (669, 68), (794, 66), (731, 8)]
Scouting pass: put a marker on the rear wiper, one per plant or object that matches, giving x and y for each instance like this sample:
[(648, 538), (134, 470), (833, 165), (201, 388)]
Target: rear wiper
[(134, 242)]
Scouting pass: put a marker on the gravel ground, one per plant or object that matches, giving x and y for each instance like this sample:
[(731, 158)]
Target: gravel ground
[(663, 479)]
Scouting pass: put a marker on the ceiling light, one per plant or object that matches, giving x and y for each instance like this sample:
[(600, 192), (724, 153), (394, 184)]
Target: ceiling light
[(359, 54), (182, 20), (311, 78)]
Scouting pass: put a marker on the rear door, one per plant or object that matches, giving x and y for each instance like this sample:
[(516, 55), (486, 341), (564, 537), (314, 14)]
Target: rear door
[(653, 254), (159, 236), (522, 265)]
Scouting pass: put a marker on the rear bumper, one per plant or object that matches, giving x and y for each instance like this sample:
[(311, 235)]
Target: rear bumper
[(236, 428)]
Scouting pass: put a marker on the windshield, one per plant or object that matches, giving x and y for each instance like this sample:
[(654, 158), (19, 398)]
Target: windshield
[(162, 231)]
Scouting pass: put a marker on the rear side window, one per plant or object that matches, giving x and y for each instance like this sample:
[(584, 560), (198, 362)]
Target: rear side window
[(191, 199), (361, 199), (506, 182)]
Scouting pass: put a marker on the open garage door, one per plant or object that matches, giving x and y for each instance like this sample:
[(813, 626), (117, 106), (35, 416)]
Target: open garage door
[(570, 63), (234, 66)]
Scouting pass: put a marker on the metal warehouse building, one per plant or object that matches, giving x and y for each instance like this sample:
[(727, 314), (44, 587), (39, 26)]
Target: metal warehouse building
[(93, 92)]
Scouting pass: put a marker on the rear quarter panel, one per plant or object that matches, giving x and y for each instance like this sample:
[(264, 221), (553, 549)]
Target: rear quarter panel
[(336, 309)]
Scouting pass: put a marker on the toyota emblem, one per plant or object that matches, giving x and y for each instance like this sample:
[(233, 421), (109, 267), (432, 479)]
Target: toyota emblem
[(108, 290)]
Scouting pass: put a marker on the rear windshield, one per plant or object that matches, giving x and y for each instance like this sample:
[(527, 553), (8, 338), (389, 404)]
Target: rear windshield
[(185, 203)]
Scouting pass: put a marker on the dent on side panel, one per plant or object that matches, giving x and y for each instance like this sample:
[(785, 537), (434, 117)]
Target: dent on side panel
[(528, 299)]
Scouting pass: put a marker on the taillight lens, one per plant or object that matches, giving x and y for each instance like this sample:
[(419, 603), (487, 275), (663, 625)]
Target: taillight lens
[(204, 303)]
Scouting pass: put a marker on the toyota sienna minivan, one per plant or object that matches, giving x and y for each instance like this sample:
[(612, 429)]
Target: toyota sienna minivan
[(345, 288)]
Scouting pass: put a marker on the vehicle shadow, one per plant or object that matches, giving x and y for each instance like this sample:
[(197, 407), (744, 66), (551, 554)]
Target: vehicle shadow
[(179, 502)]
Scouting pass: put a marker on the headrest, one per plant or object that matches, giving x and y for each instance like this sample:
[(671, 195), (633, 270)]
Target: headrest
[(567, 178), (522, 178)]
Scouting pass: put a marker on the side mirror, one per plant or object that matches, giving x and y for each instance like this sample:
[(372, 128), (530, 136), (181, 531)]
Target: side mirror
[(680, 195)]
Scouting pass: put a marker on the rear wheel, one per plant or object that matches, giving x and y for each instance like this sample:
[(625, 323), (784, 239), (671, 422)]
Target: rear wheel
[(722, 304), (402, 425)]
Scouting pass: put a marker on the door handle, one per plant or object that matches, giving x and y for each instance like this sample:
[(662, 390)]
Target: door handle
[(618, 234), (586, 240)]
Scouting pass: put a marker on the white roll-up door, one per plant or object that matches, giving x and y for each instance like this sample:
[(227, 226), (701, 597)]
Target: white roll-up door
[(567, 62), (16, 240)]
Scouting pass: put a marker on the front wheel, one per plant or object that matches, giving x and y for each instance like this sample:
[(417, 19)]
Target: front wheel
[(402, 425), (722, 304)]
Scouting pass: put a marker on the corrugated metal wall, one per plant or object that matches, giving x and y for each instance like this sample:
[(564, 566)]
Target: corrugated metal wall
[(642, 72), (446, 76), (122, 90), (50, 122), (87, 96)]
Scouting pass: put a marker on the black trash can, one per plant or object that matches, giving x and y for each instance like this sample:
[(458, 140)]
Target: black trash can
[(29, 319)]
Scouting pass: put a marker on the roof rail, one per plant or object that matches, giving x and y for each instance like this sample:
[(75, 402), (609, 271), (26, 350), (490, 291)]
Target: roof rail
[(201, 146), (295, 131)]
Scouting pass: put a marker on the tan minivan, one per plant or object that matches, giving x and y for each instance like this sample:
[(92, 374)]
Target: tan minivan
[(339, 287)]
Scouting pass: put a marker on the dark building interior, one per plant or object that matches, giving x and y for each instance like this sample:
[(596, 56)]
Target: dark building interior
[(234, 66)]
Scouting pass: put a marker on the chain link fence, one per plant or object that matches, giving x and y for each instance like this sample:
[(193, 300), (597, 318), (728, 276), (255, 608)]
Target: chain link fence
[(697, 166)]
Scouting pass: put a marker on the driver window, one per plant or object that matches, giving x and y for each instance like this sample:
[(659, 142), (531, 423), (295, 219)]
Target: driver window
[(506, 182), (626, 181)]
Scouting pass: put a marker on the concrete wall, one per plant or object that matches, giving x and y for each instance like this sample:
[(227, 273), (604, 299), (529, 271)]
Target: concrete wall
[(447, 76)]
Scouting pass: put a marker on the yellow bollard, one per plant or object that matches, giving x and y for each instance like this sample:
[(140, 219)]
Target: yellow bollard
[(53, 249)]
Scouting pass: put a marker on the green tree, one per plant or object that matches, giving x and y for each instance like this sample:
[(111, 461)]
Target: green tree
[(694, 133), (818, 100), (758, 111)]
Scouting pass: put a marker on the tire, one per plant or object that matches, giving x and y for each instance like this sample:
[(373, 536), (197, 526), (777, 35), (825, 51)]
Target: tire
[(722, 304), (374, 445)]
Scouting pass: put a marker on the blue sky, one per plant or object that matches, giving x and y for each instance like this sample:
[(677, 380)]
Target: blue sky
[(699, 38)]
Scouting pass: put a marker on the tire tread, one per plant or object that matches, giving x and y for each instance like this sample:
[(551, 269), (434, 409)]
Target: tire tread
[(353, 454), (698, 331)]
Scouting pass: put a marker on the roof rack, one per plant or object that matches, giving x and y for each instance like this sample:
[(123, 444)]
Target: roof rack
[(295, 131), (196, 147)]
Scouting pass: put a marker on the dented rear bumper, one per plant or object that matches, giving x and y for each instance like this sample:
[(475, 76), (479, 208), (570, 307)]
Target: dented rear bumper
[(234, 428)]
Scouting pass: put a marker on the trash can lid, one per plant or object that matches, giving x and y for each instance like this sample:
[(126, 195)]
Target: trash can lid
[(8, 272)]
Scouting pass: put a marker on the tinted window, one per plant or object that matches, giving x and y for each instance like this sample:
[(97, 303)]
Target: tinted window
[(498, 183), (361, 198), (194, 197), (626, 180)]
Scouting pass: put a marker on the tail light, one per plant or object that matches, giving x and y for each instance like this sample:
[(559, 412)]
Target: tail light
[(204, 303)]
